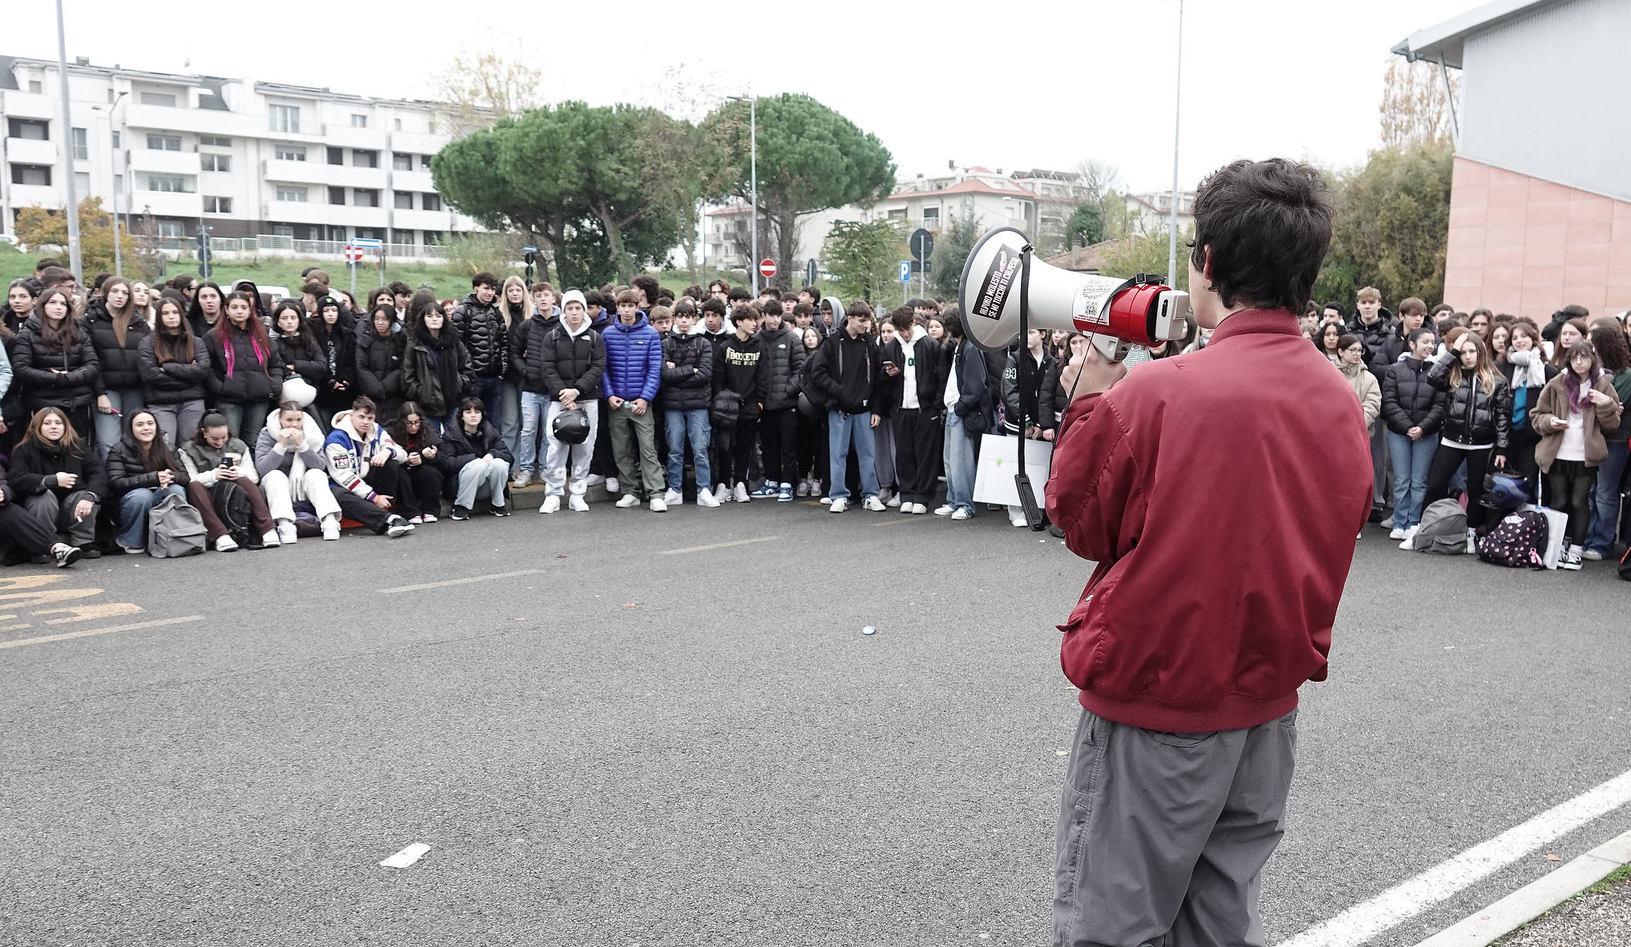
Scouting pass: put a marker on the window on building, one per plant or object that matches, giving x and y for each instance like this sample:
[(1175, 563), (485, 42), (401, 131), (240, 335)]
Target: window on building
[(424, 162), (430, 201), (169, 183), (169, 227), (364, 159), (897, 214), (397, 124), (291, 195), (336, 155), (289, 152), (28, 129), (336, 195), (364, 197), (369, 233), (284, 118), (931, 218), (401, 162), (214, 162), (359, 121), (82, 183), (217, 205), (282, 230), (215, 141), (403, 200), (116, 141), (39, 174), (163, 142), (82, 147), (36, 86), (435, 238), (167, 99)]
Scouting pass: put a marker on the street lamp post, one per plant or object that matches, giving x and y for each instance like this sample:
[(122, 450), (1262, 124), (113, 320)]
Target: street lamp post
[(1177, 100), (66, 139), (753, 184)]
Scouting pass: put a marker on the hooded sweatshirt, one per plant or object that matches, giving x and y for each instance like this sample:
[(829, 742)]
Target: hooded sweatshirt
[(347, 453)]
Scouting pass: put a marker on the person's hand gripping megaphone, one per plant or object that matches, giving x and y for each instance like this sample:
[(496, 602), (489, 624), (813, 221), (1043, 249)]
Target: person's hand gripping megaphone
[(1090, 373)]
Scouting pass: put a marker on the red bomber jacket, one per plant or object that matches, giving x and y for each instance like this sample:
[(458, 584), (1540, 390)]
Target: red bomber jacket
[(1219, 493)]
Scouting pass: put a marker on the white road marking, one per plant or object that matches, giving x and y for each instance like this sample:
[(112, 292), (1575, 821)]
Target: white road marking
[(711, 546), (407, 856), (1364, 921), (464, 581), (93, 632)]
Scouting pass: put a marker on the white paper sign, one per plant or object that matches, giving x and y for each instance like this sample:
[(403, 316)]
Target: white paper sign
[(999, 461)]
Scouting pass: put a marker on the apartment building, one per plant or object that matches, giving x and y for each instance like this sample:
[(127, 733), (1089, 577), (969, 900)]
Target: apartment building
[(265, 166)]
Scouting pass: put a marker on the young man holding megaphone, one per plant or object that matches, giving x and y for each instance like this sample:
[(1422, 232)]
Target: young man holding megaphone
[(1218, 493)]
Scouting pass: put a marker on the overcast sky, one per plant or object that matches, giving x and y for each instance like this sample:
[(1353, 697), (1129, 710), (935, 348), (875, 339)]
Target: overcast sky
[(1005, 85)]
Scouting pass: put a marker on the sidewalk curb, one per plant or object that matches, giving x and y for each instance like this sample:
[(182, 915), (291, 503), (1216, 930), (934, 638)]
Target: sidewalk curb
[(1534, 899)]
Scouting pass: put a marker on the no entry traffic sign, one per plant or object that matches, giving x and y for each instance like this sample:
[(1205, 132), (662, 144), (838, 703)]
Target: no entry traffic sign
[(767, 268)]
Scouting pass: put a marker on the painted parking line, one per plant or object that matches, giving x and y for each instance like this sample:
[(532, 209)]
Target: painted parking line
[(467, 580), (93, 632), (712, 546), (1402, 902)]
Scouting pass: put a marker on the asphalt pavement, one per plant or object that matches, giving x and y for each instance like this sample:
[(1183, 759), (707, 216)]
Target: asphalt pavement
[(666, 729)]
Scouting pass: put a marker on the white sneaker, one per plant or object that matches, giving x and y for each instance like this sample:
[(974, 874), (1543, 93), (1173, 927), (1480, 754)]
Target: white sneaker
[(225, 544), (960, 514), (1409, 538), (286, 532), (907, 508), (706, 498), (331, 528), (270, 539), (873, 504), (397, 527), (658, 506), (722, 494), (1396, 533), (826, 501), (946, 510), (552, 504), (1570, 559), (1472, 549), (578, 504), (627, 500), (838, 506), (520, 483), (1593, 555), (894, 501), (803, 489), (611, 485), (593, 479), (674, 498), (741, 493)]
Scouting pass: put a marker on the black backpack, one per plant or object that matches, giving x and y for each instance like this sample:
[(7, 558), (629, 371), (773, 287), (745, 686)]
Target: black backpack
[(232, 506)]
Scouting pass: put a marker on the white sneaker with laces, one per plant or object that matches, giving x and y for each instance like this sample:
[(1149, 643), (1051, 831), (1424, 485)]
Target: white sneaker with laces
[(1396, 533), (918, 509), (1592, 555), (804, 488), (826, 501), (674, 498), (838, 506), (946, 510), (552, 504), (331, 528), (1472, 549), (907, 508), (270, 539), (1409, 539), (706, 498), (225, 544), (658, 506), (1570, 559), (578, 504), (961, 514), (722, 494), (286, 532), (894, 501), (627, 500), (741, 493), (873, 504), (611, 484)]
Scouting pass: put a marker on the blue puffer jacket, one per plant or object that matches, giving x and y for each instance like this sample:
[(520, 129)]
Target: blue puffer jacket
[(634, 360)]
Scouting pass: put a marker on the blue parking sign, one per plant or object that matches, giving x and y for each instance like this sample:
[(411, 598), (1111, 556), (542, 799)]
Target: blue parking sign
[(906, 271)]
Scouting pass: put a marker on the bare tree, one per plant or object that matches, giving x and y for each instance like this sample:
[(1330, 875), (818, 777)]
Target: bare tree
[(1415, 107), (1097, 179), (478, 89)]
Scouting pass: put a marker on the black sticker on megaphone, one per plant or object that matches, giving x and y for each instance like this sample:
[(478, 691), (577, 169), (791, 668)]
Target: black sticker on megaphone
[(999, 279)]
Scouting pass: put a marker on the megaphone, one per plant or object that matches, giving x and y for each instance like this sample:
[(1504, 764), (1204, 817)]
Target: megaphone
[(1119, 315)]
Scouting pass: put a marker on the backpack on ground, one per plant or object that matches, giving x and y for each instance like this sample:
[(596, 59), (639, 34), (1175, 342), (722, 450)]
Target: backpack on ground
[(1443, 529), (232, 506), (1516, 541), (174, 529)]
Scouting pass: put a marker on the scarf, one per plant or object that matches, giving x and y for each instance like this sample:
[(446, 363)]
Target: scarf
[(1579, 394)]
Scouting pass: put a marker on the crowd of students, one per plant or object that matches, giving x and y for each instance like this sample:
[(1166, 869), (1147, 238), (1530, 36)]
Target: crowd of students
[(278, 418)]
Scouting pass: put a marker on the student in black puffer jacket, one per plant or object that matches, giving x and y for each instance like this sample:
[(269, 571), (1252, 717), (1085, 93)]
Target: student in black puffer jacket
[(56, 363), (1477, 424), (117, 331), (246, 369), (683, 397), (379, 360), (481, 326), (337, 344), (302, 359), (141, 471), (1413, 410), (478, 459), (175, 370), (435, 363), (56, 475)]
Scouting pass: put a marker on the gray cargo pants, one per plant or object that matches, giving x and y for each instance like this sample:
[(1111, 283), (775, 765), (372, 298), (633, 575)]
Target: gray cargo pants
[(1163, 836)]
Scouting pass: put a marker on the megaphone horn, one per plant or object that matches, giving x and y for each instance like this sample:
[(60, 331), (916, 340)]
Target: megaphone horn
[(1138, 311)]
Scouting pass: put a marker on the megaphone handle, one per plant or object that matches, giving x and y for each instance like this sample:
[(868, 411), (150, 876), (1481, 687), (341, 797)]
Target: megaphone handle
[(1022, 481)]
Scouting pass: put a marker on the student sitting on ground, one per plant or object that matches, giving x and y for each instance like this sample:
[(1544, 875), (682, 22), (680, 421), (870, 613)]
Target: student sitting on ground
[(142, 470), (478, 459), (214, 457), (289, 461), (58, 478), (364, 469)]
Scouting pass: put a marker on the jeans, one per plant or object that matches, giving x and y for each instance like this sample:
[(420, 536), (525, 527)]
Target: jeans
[(637, 469), (133, 509), (1411, 460), (509, 419), (481, 478), (1605, 519), (576, 456), (958, 455), (682, 426), (491, 393), (110, 427), (240, 413), (178, 422), (532, 444), (843, 430)]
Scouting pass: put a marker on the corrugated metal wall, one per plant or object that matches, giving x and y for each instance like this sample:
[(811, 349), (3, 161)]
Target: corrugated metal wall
[(1550, 96)]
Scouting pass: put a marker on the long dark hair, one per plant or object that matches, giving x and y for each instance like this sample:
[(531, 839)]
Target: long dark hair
[(174, 346), (195, 311), (1573, 386), (301, 328), (1612, 346), (65, 334), (156, 454)]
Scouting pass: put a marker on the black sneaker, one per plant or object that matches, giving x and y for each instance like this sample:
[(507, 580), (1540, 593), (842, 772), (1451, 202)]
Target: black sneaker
[(66, 555), (397, 526), (89, 552), (503, 510), (459, 513)]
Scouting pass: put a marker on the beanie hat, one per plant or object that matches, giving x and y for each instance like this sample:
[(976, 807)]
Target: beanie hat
[(573, 295)]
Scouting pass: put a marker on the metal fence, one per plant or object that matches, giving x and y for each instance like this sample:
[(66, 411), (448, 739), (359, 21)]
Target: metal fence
[(277, 245)]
